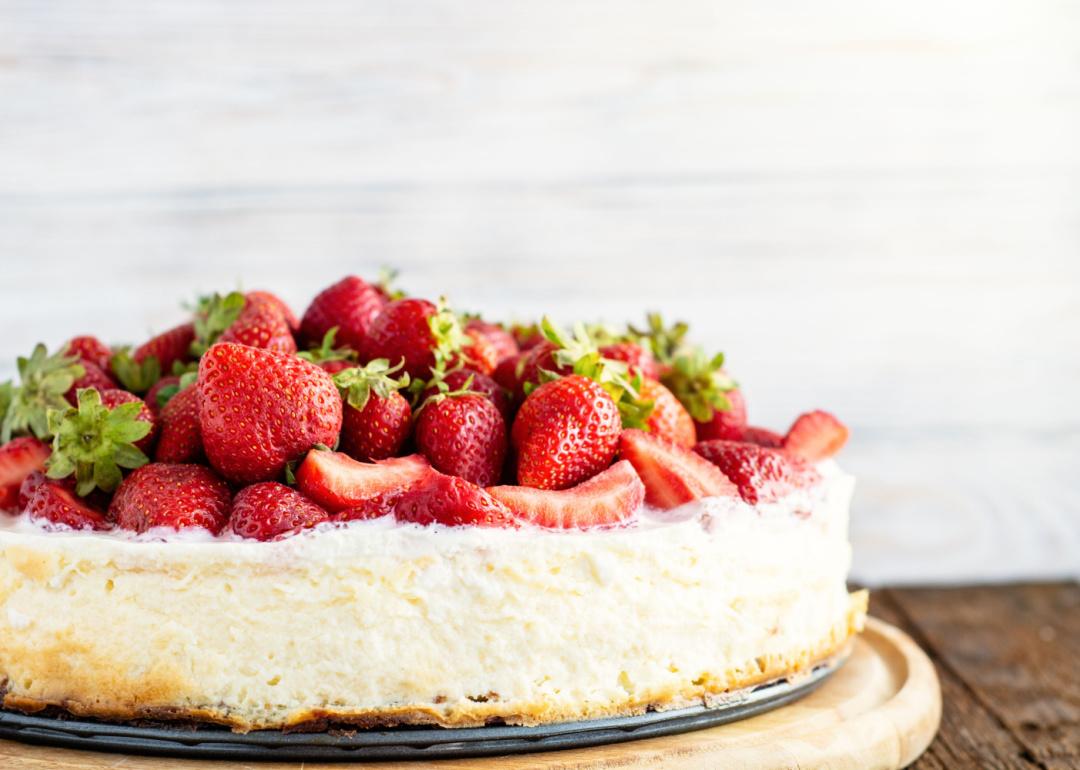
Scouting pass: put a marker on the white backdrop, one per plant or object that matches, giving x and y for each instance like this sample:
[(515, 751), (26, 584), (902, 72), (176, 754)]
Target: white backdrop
[(871, 207)]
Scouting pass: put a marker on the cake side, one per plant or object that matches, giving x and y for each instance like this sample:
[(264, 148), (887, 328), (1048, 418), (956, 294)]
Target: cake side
[(377, 624)]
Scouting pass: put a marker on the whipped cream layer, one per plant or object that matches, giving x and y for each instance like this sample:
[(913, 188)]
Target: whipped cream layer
[(378, 622)]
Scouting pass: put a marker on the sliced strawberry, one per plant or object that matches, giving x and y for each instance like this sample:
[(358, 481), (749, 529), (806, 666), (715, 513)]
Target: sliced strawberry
[(91, 349), (463, 435), (607, 498), (668, 418), (336, 481), (761, 437), (815, 436), (168, 347), (260, 410), (452, 501), (171, 495), (55, 502), (566, 432), (503, 341), (18, 459), (637, 358), (270, 510), (350, 305), (762, 474), (375, 507), (180, 440), (673, 475)]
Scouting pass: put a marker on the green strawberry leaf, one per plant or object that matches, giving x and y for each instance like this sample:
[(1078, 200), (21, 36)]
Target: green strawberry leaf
[(387, 276), (213, 315), (448, 333), (135, 376), (664, 342), (326, 350), (699, 382), (44, 379), (93, 442), (358, 383)]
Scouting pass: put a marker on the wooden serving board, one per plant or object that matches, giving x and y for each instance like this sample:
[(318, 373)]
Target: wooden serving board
[(880, 710)]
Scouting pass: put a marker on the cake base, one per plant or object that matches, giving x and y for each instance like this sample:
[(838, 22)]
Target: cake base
[(881, 709)]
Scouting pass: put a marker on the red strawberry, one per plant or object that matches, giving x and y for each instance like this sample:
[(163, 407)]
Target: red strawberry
[(527, 336), (171, 495), (93, 377), (478, 383), (180, 441), (540, 358), (259, 410), (377, 418), (114, 397), (815, 436), (274, 301), (261, 325), (156, 399), (168, 347), (565, 432), (18, 459), (337, 365), (402, 331), (375, 507), (91, 349), (478, 353), (725, 424), (336, 481), (378, 430), (672, 474), (607, 498), (351, 305), (452, 501), (463, 435), (668, 418), (638, 359), (507, 373), (762, 474), (761, 437), (54, 502), (503, 341), (269, 510)]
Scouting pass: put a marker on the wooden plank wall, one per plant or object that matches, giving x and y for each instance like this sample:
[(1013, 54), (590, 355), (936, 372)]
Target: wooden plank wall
[(872, 207)]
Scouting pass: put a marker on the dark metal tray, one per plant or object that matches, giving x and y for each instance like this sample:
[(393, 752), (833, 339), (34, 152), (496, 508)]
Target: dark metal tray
[(403, 743)]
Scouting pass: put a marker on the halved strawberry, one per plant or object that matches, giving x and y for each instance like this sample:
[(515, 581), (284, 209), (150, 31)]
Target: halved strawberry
[(269, 510), (350, 305), (171, 495), (55, 502), (607, 498), (761, 474), (815, 436), (336, 481), (18, 459), (454, 502), (673, 475), (375, 507)]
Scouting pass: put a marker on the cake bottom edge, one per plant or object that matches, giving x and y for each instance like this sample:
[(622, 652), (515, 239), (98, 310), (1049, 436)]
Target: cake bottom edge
[(714, 689)]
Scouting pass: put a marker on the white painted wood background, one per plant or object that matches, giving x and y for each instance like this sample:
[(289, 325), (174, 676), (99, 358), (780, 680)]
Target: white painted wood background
[(873, 207)]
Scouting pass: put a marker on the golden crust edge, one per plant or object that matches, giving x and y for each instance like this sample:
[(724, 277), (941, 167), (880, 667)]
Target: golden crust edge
[(478, 714)]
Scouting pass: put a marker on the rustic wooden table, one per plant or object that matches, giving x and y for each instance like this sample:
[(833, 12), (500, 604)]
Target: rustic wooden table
[(1009, 662)]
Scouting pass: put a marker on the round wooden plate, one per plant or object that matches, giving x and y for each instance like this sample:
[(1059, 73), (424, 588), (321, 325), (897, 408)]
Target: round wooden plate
[(880, 710)]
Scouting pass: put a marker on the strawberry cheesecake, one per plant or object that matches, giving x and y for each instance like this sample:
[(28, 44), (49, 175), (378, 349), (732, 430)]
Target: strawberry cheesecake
[(385, 512)]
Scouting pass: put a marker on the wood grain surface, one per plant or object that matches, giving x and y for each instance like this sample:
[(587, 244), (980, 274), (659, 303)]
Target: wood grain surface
[(878, 712), (872, 208)]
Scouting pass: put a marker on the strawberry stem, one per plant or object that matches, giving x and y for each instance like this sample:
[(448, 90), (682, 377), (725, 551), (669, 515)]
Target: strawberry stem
[(44, 379)]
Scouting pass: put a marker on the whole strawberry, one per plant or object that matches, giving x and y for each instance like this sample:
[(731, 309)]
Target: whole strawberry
[(668, 417), (54, 502), (452, 501), (566, 431), (351, 305), (269, 510), (180, 439), (92, 377), (91, 349), (463, 434), (261, 324), (417, 332), (501, 340), (168, 347), (470, 380), (18, 459), (171, 495), (376, 418), (274, 301), (639, 360), (761, 474), (259, 410), (477, 353), (728, 424)]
